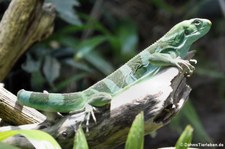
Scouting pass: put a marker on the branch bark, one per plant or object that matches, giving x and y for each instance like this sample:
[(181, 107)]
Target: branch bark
[(160, 97), (14, 113), (24, 23)]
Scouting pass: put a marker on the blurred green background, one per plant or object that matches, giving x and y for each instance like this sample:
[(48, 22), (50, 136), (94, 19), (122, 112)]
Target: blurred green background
[(94, 37)]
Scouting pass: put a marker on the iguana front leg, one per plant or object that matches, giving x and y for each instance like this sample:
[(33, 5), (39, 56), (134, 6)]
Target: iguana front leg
[(164, 59)]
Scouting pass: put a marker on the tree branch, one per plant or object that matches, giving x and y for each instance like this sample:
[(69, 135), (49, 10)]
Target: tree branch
[(24, 23), (160, 97), (14, 113)]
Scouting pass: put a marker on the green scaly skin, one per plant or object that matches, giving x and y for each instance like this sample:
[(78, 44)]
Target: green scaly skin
[(167, 51)]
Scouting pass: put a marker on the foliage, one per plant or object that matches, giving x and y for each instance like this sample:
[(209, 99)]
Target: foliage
[(185, 138), (45, 63), (7, 146), (189, 113), (80, 141), (163, 5), (66, 11), (135, 139), (38, 138)]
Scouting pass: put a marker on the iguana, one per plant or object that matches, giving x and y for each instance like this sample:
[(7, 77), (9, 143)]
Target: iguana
[(169, 50)]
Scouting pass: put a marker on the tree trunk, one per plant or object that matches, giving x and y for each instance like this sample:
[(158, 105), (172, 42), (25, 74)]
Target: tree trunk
[(24, 23)]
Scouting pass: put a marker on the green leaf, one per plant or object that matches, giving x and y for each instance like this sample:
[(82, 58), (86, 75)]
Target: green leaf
[(163, 5), (185, 138), (7, 146), (64, 84), (37, 80), (192, 116), (189, 115), (210, 72), (88, 45), (31, 65), (135, 138), (80, 141), (101, 64), (86, 51), (38, 138), (51, 69), (79, 65), (94, 25), (128, 38), (66, 10)]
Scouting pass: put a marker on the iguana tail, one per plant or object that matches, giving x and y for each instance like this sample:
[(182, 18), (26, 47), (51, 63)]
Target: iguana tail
[(52, 102)]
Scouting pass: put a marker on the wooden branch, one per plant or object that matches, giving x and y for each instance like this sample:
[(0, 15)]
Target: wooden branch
[(14, 113), (24, 23), (160, 97)]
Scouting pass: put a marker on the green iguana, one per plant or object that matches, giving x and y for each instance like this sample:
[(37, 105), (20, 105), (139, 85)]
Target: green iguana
[(169, 50)]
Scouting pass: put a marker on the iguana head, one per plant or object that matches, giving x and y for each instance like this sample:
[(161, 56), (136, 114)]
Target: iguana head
[(195, 28), (182, 35)]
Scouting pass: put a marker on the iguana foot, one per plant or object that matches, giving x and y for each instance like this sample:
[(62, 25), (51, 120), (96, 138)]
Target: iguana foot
[(89, 111), (97, 100), (184, 65)]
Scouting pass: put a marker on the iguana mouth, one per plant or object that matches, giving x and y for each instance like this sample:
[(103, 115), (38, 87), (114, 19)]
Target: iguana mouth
[(207, 24)]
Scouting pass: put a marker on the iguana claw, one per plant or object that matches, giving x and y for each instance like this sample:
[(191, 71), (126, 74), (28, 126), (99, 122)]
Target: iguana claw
[(188, 67), (89, 110), (193, 61)]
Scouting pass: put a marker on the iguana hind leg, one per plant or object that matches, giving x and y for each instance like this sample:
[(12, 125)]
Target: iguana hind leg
[(100, 99), (97, 100)]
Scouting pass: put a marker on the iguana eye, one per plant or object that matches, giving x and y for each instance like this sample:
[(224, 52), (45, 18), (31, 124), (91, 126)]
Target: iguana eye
[(196, 22)]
